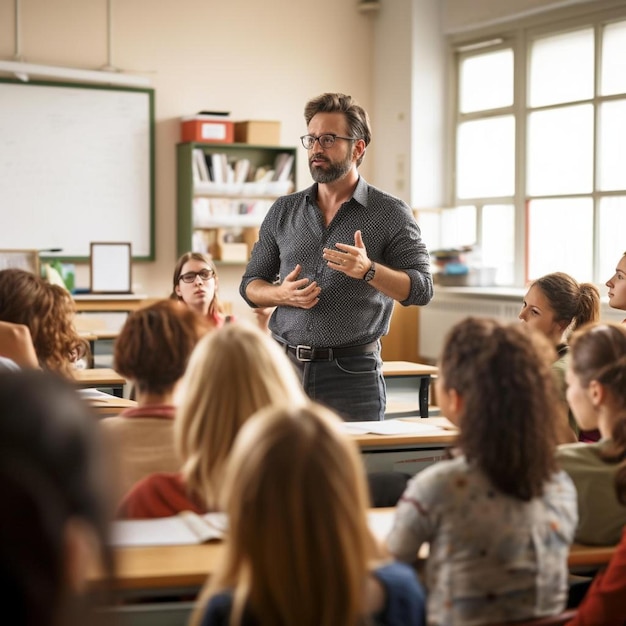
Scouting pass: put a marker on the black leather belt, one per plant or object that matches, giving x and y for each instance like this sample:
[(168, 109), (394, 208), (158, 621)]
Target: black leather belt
[(309, 353)]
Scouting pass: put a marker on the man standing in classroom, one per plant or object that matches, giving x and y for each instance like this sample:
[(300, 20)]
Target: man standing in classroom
[(332, 259)]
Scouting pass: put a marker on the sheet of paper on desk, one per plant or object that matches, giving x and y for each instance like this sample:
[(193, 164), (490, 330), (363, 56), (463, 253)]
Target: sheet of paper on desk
[(380, 523), (390, 427), (94, 394), (187, 528)]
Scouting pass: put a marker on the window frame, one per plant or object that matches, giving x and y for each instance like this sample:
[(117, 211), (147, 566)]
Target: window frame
[(518, 35)]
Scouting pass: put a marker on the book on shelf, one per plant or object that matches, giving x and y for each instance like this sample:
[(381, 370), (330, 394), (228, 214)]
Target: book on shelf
[(242, 170), (186, 528), (283, 166), (200, 169)]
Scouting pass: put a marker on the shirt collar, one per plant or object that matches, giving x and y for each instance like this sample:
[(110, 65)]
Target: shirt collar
[(359, 194)]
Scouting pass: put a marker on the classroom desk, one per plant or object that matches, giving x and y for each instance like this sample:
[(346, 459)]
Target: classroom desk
[(105, 407), (405, 380), (157, 569), (104, 303), (408, 453), (100, 377)]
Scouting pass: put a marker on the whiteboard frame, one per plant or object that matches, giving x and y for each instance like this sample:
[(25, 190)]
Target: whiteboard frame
[(111, 267), (149, 217)]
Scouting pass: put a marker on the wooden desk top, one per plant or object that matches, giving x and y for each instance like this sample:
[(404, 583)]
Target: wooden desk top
[(167, 567), (406, 368), (444, 437), (96, 334), (105, 303), (109, 408), (98, 377)]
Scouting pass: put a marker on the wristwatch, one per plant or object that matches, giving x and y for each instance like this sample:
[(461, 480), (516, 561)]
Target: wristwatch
[(371, 272)]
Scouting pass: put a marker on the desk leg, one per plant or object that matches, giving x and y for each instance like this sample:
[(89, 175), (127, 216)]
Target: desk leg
[(423, 395)]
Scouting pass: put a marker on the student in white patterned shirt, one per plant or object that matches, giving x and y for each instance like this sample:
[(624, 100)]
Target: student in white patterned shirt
[(499, 516)]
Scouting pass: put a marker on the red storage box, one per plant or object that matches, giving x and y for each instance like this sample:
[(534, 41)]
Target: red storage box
[(207, 129)]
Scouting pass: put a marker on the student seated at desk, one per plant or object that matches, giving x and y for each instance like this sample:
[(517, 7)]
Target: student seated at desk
[(16, 347), (48, 312), (556, 305), (55, 508), (151, 351), (233, 372), (298, 547), (596, 393), (499, 516)]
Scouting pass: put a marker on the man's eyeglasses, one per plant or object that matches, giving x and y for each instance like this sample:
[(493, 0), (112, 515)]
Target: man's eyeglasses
[(190, 277), (325, 141)]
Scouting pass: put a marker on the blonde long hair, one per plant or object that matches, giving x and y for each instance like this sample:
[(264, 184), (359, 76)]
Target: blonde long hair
[(298, 549), (233, 372)]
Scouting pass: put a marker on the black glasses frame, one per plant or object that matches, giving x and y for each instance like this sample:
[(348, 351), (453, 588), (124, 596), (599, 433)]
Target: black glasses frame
[(190, 277), (326, 140)]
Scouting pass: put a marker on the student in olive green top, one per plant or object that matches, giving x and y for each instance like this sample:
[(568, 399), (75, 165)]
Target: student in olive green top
[(556, 305), (596, 392)]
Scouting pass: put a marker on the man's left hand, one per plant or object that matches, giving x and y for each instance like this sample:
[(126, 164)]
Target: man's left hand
[(351, 260)]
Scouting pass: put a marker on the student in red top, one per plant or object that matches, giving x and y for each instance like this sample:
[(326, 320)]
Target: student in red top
[(151, 351), (605, 602), (233, 372)]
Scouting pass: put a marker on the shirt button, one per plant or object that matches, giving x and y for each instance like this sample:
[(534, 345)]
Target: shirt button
[(309, 327)]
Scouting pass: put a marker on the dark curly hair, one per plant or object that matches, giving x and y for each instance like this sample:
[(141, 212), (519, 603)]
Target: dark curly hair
[(510, 402)]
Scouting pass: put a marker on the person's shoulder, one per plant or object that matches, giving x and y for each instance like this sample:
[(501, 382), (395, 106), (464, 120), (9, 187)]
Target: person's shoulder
[(9, 365), (397, 573), (375, 194), (577, 453), (157, 495), (218, 608), (436, 478), (405, 598)]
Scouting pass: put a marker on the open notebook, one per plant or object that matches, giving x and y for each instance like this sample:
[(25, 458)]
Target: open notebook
[(189, 528)]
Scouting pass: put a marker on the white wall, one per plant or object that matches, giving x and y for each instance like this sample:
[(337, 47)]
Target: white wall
[(259, 60), (264, 60)]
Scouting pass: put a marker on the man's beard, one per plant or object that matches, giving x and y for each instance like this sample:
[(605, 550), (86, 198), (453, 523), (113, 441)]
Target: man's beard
[(333, 172)]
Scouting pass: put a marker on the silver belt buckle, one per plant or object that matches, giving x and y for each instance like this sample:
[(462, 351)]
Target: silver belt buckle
[(299, 356)]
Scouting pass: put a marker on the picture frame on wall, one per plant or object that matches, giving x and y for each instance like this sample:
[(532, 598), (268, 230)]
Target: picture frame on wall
[(111, 267)]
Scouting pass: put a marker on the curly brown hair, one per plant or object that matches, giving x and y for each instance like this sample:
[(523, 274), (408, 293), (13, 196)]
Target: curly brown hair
[(509, 402), (155, 343), (48, 311)]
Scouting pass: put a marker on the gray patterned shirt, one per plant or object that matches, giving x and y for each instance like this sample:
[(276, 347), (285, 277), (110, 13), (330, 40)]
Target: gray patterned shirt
[(349, 312)]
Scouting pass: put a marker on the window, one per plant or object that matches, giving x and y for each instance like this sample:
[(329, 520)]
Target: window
[(540, 146)]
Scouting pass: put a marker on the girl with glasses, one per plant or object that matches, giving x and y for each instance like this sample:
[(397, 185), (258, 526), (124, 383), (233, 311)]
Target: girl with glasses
[(196, 284)]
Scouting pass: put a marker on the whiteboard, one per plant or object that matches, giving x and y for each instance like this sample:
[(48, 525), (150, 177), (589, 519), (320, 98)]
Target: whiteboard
[(76, 165)]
